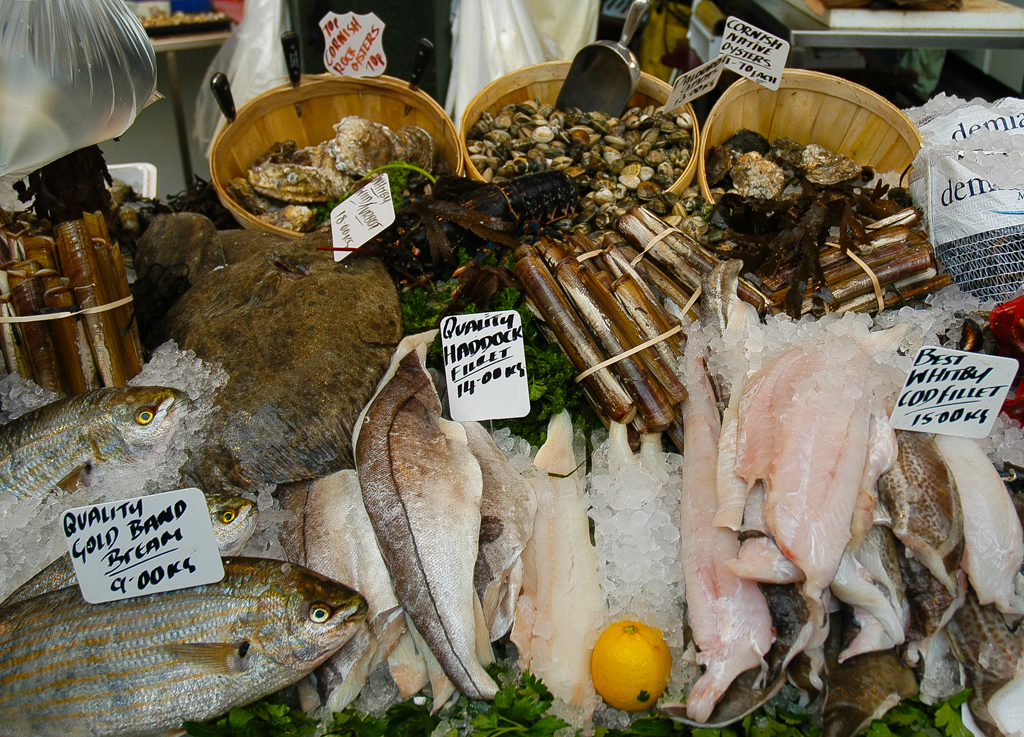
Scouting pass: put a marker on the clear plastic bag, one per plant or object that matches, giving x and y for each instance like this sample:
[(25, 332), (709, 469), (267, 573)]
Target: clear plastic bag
[(74, 73)]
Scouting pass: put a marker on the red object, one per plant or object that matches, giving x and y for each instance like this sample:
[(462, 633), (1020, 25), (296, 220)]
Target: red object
[(234, 9), (1007, 321)]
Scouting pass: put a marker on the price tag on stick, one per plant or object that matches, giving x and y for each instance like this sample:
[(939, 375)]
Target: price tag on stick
[(694, 83), (362, 216), (951, 392), (145, 545), (485, 366), (753, 53), (352, 44)]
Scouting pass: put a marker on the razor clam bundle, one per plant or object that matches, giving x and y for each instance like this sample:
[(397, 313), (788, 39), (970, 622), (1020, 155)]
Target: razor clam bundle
[(796, 213), (284, 186), (74, 266), (617, 163)]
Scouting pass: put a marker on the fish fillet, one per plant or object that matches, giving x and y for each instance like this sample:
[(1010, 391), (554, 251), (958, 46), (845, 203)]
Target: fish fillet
[(507, 510), (759, 559), (422, 489), (993, 541), (731, 624), (560, 609)]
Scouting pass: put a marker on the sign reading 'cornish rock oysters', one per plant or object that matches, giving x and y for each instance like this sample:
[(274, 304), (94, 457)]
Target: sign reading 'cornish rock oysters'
[(485, 366), (951, 392), (144, 545), (353, 45)]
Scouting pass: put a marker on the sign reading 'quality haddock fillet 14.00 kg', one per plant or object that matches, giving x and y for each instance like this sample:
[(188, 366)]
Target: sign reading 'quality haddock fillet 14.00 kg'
[(485, 366), (144, 545)]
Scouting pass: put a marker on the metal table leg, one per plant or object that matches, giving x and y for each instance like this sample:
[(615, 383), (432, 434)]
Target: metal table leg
[(179, 118)]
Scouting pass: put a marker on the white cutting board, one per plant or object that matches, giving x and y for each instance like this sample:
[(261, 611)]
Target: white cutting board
[(975, 15)]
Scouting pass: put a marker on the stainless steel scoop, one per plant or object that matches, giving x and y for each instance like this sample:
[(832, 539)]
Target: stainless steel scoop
[(604, 74)]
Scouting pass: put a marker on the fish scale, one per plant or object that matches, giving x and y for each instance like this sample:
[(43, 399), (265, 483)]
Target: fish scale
[(141, 666)]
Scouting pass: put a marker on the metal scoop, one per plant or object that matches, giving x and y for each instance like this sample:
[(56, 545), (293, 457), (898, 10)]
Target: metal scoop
[(604, 74)]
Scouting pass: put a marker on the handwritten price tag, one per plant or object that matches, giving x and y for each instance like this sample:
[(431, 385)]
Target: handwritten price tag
[(753, 53), (353, 45), (951, 392), (362, 216), (695, 83), (145, 545), (485, 366)]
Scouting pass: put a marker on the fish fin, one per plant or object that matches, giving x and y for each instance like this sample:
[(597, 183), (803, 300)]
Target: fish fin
[(227, 658), (454, 431), (484, 653), (79, 477)]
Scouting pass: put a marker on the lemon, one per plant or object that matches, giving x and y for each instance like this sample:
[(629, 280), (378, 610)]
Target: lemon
[(631, 665)]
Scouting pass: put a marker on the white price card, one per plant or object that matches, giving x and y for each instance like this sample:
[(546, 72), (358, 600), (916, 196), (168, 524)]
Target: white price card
[(145, 545), (485, 366), (753, 53), (951, 392), (362, 216), (694, 83), (352, 44)]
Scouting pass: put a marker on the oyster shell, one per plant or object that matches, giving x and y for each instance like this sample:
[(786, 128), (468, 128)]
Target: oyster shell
[(755, 176), (786, 152), (745, 141), (360, 145), (420, 148), (292, 217), (825, 167), (298, 183), (720, 160)]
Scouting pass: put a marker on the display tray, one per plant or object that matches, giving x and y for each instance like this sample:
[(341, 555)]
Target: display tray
[(975, 15)]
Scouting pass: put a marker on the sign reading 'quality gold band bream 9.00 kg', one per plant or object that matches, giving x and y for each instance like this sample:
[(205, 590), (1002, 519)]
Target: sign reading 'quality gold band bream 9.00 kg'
[(144, 545)]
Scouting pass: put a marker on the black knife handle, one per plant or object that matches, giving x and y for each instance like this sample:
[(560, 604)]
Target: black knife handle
[(222, 94), (421, 58), (290, 44)]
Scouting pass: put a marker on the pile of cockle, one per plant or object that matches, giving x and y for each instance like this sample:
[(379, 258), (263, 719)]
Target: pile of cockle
[(617, 163), (284, 185), (813, 230)]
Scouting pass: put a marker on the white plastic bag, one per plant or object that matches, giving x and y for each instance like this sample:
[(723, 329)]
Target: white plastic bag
[(491, 38), (252, 59), (72, 73)]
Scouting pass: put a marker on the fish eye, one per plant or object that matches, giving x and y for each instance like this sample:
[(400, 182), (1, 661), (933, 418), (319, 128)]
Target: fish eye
[(319, 613), (227, 516), (144, 416)]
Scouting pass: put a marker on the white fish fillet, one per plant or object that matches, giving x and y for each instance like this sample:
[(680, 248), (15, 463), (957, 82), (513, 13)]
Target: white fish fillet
[(422, 489), (408, 666), (1006, 707), (560, 608), (507, 509), (731, 624), (759, 559), (993, 541), (873, 636), (731, 489), (753, 512), (854, 585)]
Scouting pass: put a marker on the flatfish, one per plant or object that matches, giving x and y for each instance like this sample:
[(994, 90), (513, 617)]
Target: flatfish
[(59, 443), (304, 341), (422, 489), (141, 666), (234, 520)]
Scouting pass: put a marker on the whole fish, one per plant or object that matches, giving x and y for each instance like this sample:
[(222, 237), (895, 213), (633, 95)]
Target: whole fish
[(922, 499), (141, 666), (234, 520), (58, 444), (422, 489)]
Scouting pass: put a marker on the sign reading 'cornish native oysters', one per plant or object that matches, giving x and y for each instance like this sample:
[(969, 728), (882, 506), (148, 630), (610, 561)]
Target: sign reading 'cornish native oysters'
[(363, 215), (353, 45), (145, 545), (951, 392), (485, 366), (755, 54)]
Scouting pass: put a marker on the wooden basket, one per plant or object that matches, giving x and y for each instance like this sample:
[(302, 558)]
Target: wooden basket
[(542, 82), (811, 107), (326, 99)]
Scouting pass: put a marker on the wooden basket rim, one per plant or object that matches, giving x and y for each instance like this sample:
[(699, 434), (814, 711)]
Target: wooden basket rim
[(313, 86), (549, 71), (799, 79)]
